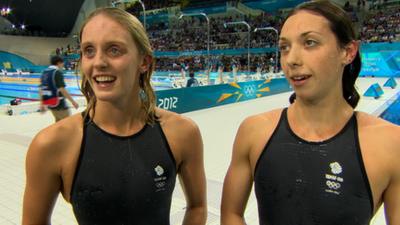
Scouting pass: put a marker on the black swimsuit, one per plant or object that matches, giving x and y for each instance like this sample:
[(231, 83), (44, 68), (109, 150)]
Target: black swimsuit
[(298, 182), (123, 180)]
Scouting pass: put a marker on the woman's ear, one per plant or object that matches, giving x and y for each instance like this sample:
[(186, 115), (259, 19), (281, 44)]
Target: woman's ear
[(146, 63), (351, 50)]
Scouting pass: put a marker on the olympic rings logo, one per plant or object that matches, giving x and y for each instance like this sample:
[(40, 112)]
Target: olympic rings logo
[(160, 184), (333, 185), (249, 90)]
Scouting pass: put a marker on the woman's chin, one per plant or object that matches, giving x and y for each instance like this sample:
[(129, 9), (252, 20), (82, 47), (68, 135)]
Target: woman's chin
[(106, 97)]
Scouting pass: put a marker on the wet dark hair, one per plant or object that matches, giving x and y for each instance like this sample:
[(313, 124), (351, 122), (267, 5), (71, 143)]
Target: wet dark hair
[(342, 28), (54, 60)]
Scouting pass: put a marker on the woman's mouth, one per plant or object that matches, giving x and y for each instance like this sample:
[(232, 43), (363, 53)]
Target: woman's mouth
[(104, 81), (299, 79)]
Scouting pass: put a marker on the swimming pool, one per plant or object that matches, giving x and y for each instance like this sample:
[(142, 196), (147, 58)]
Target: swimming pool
[(26, 92), (25, 87)]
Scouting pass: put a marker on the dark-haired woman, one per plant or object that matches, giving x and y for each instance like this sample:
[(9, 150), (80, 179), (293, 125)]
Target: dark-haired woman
[(318, 161)]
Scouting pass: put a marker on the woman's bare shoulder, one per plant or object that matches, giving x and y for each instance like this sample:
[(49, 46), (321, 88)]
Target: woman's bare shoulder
[(57, 135), (175, 121), (370, 123), (266, 120), (379, 131)]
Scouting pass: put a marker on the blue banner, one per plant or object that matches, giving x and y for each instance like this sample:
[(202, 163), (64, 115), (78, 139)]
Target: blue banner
[(380, 59), (272, 5), (238, 51), (380, 46), (11, 61), (195, 98), (210, 10), (160, 17)]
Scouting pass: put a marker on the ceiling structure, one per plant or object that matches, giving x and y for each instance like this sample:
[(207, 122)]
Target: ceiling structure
[(52, 17)]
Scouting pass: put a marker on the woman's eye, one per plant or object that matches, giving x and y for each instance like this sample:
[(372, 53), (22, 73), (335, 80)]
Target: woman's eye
[(283, 48), (89, 52), (115, 51), (310, 43)]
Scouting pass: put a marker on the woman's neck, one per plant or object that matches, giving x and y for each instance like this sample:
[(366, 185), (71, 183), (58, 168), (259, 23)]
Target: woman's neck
[(319, 121), (120, 119)]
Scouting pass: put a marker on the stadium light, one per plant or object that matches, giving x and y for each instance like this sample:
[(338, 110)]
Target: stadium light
[(277, 40), (208, 37), (226, 24), (5, 11)]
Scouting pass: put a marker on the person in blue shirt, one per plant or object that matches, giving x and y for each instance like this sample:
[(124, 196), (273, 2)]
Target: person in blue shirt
[(52, 90)]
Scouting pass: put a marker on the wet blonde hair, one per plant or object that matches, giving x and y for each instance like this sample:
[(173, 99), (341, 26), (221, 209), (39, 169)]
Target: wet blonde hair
[(139, 36)]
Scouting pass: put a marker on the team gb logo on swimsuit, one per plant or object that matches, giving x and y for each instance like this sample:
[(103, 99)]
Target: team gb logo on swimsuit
[(159, 170), (160, 181), (336, 168), (333, 181)]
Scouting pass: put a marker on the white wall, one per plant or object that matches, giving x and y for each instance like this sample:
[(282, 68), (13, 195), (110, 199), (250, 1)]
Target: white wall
[(4, 24), (35, 49)]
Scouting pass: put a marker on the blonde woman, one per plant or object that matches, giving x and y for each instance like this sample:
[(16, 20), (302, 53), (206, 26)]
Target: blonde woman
[(116, 163)]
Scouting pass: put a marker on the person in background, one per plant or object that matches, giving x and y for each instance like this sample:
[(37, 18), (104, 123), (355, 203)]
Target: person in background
[(192, 82), (52, 91)]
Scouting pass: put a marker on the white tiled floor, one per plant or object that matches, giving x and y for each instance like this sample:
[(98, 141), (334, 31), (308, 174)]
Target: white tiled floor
[(218, 127)]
